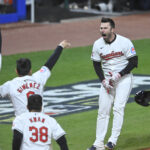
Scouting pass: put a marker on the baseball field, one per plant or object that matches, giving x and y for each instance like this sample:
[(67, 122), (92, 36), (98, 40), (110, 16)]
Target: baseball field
[(80, 127)]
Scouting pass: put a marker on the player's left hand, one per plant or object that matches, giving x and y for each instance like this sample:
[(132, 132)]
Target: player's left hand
[(115, 77)]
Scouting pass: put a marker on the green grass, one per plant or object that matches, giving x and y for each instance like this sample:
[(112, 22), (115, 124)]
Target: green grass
[(74, 66), (81, 128)]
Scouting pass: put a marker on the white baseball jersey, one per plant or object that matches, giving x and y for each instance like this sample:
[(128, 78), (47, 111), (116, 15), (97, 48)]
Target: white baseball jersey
[(20, 88), (114, 55), (38, 129)]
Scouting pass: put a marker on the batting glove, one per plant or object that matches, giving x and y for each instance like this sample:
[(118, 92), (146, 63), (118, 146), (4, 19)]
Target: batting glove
[(107, 85), (115, 77)]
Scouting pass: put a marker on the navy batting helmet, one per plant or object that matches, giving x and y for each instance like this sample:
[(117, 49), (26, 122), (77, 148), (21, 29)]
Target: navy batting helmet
[(142, 98)]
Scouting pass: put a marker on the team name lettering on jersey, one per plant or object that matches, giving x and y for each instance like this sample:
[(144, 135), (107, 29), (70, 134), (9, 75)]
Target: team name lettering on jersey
[(28, 86), (111, 55), (37, 119)]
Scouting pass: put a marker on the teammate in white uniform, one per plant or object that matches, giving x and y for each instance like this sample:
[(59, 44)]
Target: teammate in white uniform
[(21, 87), (0, 50), (34, 130), (113, 58)]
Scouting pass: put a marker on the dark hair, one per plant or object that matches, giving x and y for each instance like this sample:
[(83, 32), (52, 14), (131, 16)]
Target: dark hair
[(23, 66), (112, 23), (35, 102)]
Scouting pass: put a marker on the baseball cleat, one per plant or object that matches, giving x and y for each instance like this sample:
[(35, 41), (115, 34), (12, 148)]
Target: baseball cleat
[(96, 148), (110, 146), (92, 148)]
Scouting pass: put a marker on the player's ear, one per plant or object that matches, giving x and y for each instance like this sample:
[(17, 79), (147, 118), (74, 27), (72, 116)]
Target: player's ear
[(16, 72), (30, 72), (112, 30), (41, 109)]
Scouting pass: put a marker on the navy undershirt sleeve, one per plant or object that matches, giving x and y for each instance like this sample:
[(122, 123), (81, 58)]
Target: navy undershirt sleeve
[(62, 142), (98, 70), (53, 58), (17, 140), (133, 62)]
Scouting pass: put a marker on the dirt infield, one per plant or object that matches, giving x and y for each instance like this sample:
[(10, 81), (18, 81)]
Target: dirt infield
[(25, 37)]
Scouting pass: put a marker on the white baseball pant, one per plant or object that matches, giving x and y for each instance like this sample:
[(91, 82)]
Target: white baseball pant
[(117, 97)]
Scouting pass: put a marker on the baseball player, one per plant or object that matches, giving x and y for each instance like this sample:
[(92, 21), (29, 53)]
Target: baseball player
[(0, 50), (113, 59), (21, 87), (34, 130)]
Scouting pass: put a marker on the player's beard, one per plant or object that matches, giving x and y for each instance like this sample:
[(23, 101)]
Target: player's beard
[(107, 37)]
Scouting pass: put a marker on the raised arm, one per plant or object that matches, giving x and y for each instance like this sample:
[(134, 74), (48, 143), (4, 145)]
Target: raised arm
[(55, 56)]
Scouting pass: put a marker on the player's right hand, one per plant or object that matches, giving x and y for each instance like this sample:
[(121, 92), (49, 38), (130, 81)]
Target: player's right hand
[(107, 85), (65, 44)]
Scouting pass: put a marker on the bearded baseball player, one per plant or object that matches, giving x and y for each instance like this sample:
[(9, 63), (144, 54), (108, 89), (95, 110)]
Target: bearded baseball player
[(34, 130), (113, 59), (26, 84), (0, 50)]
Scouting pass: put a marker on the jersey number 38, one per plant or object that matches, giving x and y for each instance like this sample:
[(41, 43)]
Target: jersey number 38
[(40, 134)]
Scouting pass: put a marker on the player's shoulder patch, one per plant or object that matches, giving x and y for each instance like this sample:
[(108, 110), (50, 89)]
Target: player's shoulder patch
[(132, 50), (43, 69)]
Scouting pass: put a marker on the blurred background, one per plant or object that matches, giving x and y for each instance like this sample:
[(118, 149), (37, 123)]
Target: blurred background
[(56, 10)]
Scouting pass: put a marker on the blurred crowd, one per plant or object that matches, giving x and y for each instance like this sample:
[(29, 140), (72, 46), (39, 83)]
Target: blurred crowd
[(101, 5), (118, 4)]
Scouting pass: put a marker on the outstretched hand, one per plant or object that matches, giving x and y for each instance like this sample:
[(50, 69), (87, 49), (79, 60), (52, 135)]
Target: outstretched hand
[(65, 44)]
